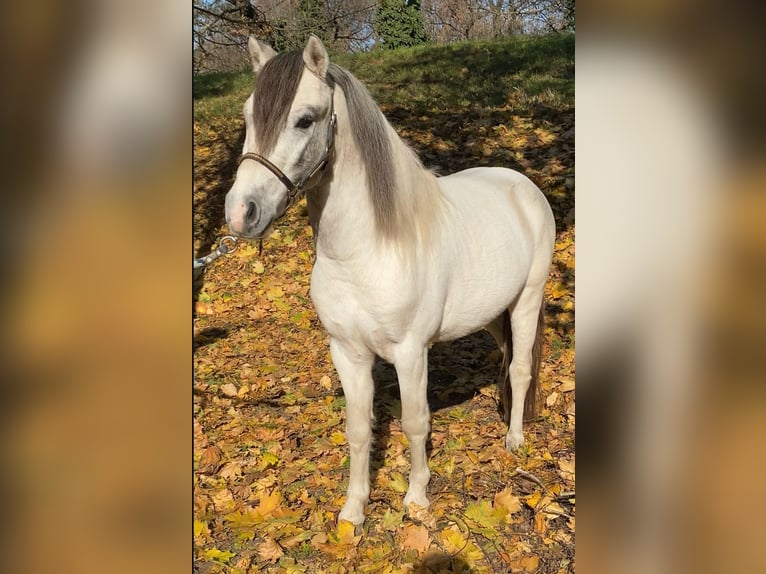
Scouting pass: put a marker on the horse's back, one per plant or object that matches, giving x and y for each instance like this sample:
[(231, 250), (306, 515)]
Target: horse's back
[(501, 183)]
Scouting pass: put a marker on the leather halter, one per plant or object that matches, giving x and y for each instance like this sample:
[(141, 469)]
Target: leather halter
[(294, 189)]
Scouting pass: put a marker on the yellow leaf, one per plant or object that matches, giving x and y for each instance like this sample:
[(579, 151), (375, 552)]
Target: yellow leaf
[(267, 460), (532, 499), (325, 382), (268, 503), (203, 308), (482, 513), (558, 291), (200, 528), (247, 251), (218, 555), (338, 438), (345, 533), (275, 293), (551, 399), (270, 551), (258, 267), (452, 539), (449, 467), (397, 482), (391, 520)]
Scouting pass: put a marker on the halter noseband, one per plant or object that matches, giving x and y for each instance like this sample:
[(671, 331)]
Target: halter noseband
[(294, 189)]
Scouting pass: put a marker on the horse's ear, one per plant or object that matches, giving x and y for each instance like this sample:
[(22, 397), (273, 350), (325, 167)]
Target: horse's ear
[(260, 53), (315, 56)]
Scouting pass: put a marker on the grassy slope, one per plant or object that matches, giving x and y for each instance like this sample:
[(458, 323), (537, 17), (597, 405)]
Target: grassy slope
[(507, 103)]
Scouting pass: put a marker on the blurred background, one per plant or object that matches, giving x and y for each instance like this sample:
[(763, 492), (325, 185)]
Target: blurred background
[(671, 278)]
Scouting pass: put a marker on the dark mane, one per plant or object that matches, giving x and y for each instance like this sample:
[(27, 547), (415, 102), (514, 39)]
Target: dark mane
[(372, 139), (274, 92)]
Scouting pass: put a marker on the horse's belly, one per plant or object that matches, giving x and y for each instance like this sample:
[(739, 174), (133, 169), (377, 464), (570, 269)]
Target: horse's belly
[(475, 300)]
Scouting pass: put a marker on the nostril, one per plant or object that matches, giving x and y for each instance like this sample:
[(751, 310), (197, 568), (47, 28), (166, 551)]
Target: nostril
[(251, 211)]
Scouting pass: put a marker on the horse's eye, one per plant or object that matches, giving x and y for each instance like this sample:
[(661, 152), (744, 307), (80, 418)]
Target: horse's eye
[(304, 122)]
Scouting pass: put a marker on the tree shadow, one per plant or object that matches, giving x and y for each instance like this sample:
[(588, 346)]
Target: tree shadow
[(208, 336), (457, 370), (209, 207), (438, 562)]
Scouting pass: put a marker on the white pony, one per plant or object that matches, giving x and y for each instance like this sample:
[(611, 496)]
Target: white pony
[(403, 258)]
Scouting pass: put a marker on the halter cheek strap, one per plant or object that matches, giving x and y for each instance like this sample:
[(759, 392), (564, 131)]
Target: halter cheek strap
[(294, 189)]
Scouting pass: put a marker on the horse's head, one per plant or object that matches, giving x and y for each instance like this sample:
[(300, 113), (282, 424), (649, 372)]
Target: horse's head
[(289, 122)]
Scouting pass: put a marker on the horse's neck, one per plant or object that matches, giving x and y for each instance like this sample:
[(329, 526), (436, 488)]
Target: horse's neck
[(341, 210), (341, 213)]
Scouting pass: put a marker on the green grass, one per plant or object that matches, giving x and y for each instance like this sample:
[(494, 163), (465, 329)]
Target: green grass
[(512, 72)]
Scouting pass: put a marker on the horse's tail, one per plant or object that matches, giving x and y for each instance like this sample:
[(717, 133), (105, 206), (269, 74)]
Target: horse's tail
[(530, 401)]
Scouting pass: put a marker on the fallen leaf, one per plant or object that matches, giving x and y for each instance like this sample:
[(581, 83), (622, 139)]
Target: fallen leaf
[(223, 500), (231, 470), (567, 468), (210, 460), (525, 564), (218, 555), (229, 389), (506, 500), (268, 503), (453, 540), (482, 513), (319, 539), (397, 482), (201, 529), (275, 293), (346, 533), (269, 550), (554, 509), (421, 514), (391, 519), (203, 308), (416, 537), (566, 385)]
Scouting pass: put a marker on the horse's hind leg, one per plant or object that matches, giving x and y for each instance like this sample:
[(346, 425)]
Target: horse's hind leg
[(354, 366), (525, 319), (411, 362)]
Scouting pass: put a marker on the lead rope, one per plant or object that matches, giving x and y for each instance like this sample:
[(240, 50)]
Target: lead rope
[(228, 244)]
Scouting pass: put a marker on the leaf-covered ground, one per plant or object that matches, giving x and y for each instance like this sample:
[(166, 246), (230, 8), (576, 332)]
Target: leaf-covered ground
[(270, 456)]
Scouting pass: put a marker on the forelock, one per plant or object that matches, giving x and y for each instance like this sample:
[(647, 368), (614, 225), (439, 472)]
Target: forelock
[(275, 89)]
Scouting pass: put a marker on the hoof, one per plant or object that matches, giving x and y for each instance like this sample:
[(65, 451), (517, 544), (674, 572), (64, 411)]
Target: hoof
[(353, 513), (514, 441), (417, 498)]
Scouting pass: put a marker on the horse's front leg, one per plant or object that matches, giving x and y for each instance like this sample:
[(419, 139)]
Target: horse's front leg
[(354, 366), (411, 362)]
